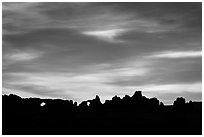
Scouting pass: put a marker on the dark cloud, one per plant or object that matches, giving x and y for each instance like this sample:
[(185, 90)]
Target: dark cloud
[(186, 14)]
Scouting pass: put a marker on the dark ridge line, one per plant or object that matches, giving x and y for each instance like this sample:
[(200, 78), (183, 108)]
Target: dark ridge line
[(135, 115), (137, 93)]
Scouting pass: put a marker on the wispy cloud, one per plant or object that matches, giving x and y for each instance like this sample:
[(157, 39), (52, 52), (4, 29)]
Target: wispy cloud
[(60, 84), (174, 88), (177, 54), (20, 17), (107, 35), (22, 56)]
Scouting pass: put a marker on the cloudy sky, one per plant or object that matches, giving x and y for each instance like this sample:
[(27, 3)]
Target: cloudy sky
[(77, 50)]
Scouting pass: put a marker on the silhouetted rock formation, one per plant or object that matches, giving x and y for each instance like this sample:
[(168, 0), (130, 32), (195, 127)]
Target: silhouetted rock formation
[(127, 115), (137, 95)]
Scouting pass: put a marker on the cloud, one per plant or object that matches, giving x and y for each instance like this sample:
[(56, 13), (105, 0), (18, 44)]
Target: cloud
[(13, 58), (67, 50), (166, 71), (107, 35), (175, 88), (22, 56), (177, 54), (73, 85), (66, 83), (20, 17)]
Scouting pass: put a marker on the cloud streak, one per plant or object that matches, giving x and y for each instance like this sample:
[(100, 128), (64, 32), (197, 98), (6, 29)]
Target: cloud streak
[(107, 35), (22, 56), (177, 54)]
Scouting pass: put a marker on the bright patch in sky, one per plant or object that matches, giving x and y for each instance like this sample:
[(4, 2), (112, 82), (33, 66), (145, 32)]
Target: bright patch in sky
[(22, 56), (178, 54), (107, 35)]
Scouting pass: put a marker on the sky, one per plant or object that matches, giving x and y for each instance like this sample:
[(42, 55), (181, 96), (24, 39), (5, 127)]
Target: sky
[(80, 50)]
